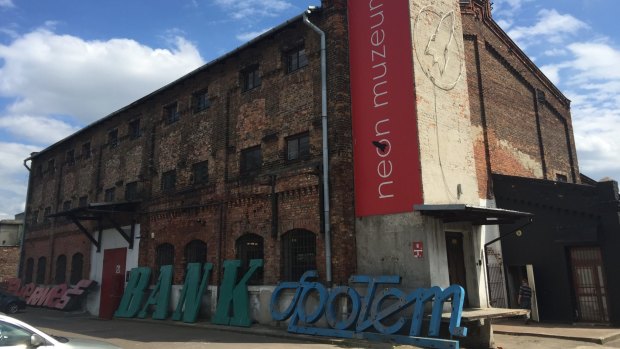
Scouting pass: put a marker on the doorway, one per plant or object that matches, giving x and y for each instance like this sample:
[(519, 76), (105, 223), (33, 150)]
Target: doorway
[(589, 283), (112, 281), (456, 262)]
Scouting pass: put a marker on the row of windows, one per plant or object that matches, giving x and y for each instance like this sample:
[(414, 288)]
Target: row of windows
[(60, 275), (298, 251)]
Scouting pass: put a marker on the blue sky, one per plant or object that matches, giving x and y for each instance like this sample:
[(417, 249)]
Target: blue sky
[(67, 63)]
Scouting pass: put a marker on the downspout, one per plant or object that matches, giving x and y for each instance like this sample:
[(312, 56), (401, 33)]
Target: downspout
[(327, 220), (27, 217)]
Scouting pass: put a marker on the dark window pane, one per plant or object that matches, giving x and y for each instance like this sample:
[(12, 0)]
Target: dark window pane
[(200, 172), (251, 160), (296, 59), (168, 180), (250, 246), (298, 147), (29, 270), (131, 191), (66, 206), (41, 267), (51, 166), (164, 255), (298, 254), (113, 138), (200, 100), (110, 195), (134, 129), (77, 266), (70, 158), (61, 270), (83, 201), (251, 78), (171, 113)]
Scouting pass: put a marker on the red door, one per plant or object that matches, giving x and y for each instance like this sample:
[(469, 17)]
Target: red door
[(112, 281)]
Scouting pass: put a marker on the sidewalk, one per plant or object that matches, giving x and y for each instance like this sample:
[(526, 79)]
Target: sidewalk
[(584, 333)]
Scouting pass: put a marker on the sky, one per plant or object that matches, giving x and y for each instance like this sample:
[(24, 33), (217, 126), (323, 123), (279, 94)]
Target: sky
[(67, 63)]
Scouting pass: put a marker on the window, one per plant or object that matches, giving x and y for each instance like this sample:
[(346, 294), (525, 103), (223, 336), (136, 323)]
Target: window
[(298, 254), (113, 138), (195, 252), (200, 100), (200, 172), (66, 206), (109, 195), (46, 213), (29, 270), (15, 336), (171, 113), (70, 158), (134, 129), (164, 255), (251, 160), (297, 147), (51, 166), (250, 246), (168, 180), (296, 59), (61, 270), (250, 77), (561, 178), (86, 150), (34, 217), (77, 265), (41, 266), (131, 191), (83, 201)]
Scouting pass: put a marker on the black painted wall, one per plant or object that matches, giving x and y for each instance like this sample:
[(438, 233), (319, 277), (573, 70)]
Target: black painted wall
[(566, 215)]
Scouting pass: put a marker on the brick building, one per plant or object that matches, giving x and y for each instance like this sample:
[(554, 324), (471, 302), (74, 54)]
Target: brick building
[(227, 161)]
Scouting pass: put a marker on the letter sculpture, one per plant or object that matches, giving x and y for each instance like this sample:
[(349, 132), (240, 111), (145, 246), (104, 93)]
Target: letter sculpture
[(368, 311)]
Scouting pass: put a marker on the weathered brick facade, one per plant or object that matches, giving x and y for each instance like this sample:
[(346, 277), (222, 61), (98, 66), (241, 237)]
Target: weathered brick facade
[(520, 123), (9, 259)]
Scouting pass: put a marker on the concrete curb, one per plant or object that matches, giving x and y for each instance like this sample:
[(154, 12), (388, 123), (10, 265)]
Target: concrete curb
[(597, 340)]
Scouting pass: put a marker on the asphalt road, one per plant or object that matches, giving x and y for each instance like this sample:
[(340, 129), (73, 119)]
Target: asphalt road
[(133, 334)]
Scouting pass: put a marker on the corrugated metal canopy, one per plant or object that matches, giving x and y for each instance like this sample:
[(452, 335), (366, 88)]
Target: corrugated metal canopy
[(476, 215)]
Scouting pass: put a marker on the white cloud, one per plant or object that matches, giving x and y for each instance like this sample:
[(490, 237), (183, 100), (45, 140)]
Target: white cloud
[(551, 27), (250, 35), (13, 176), (37, 129), (253, 8), (6, 4), (508, 8), (46, 73)]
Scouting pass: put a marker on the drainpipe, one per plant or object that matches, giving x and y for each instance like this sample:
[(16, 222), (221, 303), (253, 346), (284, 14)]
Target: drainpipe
[(328, 240), (22, 241)]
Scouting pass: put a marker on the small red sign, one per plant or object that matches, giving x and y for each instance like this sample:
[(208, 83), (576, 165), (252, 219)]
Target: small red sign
[(418, 249)]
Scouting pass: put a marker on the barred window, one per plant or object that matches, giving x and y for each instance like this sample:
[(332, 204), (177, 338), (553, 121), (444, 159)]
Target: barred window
[(41, 266), (168, 180), (250, 78), (77, 267), (250, 246), (200, 172), (29, 270), (195, 252), (296, 59), (200, 100), (298, 254), (297, 147), (61, 270), (251, 160), (164, 255), (171, 113)]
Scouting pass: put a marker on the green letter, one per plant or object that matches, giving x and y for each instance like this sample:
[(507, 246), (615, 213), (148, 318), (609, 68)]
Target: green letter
[(132, 297), (235, 294), (160, 296), (190, 299)]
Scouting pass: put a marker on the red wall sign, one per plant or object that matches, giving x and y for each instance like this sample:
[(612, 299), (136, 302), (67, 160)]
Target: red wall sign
[(385, 136), (418, 249)]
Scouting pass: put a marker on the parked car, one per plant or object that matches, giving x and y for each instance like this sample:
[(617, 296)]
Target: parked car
[(11, 304), (18, 334)]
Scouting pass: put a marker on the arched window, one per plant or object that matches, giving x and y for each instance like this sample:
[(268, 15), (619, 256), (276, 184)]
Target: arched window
[(77, 267), (298, 254), (61, 270), (29, 270), (164, 255), (41, 266), (195, 252), (250, 246)]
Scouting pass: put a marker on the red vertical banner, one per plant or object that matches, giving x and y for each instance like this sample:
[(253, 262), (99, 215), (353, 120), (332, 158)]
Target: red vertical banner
[(385, 136)]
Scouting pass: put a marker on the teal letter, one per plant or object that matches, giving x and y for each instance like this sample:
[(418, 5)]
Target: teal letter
[(132, 297), (190, 299), (160, 296), (235, 294)]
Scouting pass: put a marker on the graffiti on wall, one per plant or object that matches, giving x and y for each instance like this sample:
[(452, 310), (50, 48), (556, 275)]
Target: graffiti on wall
[(232, 306), (61, 296), (372, 311)]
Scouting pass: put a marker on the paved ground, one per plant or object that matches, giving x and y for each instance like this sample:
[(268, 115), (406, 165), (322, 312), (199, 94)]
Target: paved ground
[(136, 334)]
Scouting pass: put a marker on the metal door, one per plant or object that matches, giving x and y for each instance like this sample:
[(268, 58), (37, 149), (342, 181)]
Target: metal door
[(456, 262), (112, 281), (589, 283)]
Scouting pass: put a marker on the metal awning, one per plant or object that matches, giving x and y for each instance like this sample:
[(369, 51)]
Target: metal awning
[(476, 215), (102, 212)]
